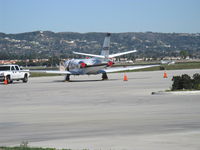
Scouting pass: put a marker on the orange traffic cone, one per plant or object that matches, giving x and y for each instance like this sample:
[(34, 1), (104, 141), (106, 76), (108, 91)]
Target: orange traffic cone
[(125, 77), (165, 75), (5, 81)]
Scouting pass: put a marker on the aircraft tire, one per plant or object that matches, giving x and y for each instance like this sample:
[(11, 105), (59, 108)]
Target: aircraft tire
[(104, 76)]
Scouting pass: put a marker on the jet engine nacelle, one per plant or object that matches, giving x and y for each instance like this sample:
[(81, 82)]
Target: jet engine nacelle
[(110, 63), (82, 64)]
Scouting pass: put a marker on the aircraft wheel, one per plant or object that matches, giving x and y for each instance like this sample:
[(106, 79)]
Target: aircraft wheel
[(104, 76), (67, 78)]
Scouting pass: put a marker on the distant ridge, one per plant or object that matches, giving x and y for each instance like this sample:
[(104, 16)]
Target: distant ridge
[(43, 44)]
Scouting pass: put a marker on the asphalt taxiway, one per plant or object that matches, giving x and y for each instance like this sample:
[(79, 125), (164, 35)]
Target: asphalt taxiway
[(94, 114)]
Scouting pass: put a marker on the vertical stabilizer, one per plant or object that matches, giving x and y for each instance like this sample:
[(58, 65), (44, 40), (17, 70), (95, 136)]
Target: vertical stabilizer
[(106, 46)]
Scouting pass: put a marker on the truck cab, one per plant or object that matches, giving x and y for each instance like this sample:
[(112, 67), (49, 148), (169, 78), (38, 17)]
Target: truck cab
[(13, 72)]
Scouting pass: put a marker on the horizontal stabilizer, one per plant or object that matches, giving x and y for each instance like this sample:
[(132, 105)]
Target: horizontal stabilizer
[(91, 55), (123, 53), (109, 56)]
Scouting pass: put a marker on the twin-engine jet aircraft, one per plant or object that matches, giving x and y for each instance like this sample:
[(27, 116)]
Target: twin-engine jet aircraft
[(98, 64)]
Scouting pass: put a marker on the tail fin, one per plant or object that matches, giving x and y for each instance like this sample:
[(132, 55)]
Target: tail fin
[(105, 50), (106, 46)]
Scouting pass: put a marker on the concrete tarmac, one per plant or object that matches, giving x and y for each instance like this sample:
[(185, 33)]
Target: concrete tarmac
[(88, 113)]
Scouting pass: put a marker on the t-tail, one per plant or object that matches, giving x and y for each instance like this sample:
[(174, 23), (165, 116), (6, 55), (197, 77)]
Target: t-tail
[(105, 50)]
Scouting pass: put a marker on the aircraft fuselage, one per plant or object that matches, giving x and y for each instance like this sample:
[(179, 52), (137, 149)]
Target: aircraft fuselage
[(87, 66)]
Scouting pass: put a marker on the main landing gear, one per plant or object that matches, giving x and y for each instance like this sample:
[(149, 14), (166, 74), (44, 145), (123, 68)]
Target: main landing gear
[(67, 78), (104, 76)]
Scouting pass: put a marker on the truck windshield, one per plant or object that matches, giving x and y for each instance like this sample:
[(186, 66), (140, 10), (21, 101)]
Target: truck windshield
[(4, 68)]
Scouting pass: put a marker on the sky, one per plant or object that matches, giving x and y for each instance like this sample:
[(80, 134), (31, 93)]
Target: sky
[(115, 16)]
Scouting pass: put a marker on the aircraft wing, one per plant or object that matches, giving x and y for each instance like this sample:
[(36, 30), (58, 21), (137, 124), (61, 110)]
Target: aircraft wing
[(123, 53), (51, 71), (116, 69), (91, 55)]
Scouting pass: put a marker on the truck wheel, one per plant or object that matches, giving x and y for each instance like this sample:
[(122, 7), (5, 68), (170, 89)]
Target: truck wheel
[(25, 79), (8, 79)]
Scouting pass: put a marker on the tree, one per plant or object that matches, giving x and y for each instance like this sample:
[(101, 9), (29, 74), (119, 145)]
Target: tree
[(186, 81), (53, 61), (196, 81), (183, 54), (177, 83)]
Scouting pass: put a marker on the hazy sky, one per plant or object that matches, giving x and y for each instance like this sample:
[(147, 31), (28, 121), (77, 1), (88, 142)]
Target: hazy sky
[(18, 16)]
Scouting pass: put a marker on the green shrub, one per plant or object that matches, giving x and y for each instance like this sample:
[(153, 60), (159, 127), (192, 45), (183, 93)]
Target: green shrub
[(162, 68), (196, 81), (186, 82), (177, 83)]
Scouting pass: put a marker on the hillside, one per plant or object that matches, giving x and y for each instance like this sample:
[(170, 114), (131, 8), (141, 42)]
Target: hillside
[(43, 44)]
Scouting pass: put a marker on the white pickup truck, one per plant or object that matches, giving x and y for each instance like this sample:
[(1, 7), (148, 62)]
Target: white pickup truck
[(13, 72)]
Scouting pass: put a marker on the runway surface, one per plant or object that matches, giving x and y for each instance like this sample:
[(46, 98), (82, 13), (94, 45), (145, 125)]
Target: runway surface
[(94, 114)]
